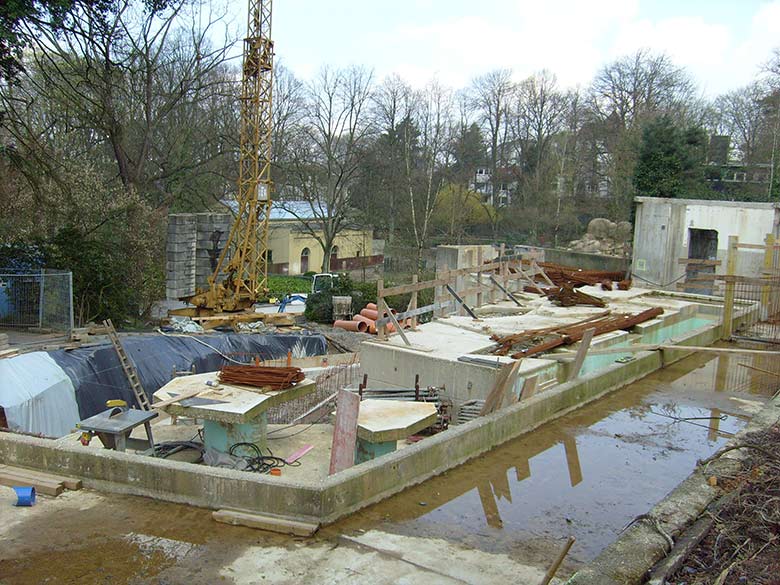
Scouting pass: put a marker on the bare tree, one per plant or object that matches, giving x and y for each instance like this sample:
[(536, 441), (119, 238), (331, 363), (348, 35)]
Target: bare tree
[(425, 156), (326, 153), (742, 116), (640, 84), (141, 88), (391, 112)]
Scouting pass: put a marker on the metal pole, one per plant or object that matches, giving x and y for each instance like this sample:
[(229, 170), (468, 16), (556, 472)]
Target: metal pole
[(70, 301), (728, 300), (40, 299)]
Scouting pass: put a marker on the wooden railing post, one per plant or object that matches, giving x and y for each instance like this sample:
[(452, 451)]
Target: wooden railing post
[(413, 302), (479, 276), (728, 299), (381, 332), (769, 256)]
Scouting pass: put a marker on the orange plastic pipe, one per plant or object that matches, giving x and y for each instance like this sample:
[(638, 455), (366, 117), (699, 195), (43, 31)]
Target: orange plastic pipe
[(370, 313), (371, 306), (371, 324), (360, 326)]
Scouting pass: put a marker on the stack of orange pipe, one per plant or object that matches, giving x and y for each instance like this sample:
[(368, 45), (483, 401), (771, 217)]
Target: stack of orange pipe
[(365, 321)]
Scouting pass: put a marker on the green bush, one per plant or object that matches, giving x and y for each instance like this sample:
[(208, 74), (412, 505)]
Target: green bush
[(278, 285)]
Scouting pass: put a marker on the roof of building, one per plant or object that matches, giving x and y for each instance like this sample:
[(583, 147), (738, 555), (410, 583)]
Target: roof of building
[(281, 210)]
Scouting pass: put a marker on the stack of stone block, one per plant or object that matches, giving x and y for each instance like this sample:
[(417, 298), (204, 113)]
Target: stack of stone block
[(195, 241), (180, 255)]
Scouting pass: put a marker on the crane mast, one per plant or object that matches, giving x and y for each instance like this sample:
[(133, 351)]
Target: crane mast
[(241, 272)]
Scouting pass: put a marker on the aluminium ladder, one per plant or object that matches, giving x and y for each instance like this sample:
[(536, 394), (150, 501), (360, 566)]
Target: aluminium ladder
[(127, 366)]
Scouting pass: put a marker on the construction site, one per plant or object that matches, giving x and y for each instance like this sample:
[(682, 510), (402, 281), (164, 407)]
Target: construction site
[(603, 414)]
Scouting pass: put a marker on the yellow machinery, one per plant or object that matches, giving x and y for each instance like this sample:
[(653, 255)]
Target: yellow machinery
[(241, 273)]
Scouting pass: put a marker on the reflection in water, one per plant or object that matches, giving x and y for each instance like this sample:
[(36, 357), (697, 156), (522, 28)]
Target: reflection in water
[(587, 474)]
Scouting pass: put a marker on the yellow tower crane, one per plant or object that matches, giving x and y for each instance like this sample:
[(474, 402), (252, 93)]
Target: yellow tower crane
[(241, 273)]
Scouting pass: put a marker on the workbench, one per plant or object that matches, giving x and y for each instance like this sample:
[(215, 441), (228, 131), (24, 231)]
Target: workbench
[(382, 423), (231, 413), (113, 428)]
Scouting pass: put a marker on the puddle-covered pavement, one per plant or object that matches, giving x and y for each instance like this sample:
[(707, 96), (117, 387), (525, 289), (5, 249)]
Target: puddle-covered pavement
[(587, 474)]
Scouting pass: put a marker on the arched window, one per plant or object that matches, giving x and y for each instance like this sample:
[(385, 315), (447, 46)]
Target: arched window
[(334, 256), (304, 260)]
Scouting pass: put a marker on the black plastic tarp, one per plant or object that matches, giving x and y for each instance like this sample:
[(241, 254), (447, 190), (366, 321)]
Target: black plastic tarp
[(97, 374)]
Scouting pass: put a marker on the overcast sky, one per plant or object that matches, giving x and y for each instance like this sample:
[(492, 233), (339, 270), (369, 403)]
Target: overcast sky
[(723, 43)]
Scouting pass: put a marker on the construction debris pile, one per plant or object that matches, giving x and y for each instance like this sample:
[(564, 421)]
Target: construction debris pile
[(558, 283), (272, 378), (741, 544), (536, 341)]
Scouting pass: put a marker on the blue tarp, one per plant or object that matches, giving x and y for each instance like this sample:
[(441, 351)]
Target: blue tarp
[(97, 375)]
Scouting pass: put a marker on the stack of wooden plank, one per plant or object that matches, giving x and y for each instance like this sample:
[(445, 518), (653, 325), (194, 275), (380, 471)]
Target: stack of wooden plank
[(44, 483)]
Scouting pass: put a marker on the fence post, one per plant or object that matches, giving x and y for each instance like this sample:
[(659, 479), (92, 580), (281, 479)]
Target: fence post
[(728, 299), (479, 276), (70, 302), (380, 292), (769, 256), (41, 299), (413, 301)]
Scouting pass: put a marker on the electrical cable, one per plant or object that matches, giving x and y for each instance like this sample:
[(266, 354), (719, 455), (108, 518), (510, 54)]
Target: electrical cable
[(258, 462)]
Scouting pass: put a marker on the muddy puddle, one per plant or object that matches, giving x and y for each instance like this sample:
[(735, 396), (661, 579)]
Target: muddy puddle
[(587, 474)]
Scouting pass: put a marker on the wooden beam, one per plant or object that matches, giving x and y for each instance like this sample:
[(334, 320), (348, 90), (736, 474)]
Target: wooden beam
[(530, 386), (505, 379), (582, 352), (416, 312), (647, 347)]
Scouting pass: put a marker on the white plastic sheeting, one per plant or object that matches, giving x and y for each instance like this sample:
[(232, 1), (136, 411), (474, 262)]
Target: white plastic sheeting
[(37, 395)]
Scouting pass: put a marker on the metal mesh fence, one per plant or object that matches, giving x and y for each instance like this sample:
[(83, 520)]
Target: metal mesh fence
[(40, 299), (760, 304)]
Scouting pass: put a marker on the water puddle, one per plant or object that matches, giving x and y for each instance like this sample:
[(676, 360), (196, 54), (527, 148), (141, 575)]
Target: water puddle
[(587, 474)]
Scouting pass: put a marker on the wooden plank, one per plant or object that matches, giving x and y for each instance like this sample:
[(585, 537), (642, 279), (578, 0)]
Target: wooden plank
[(69, 482), (415, 312), (698, 262), (582, 352), (43, 487), (647, 347), (183, 396), (272, 523), (530, 386), (506, 377), (342, 453)]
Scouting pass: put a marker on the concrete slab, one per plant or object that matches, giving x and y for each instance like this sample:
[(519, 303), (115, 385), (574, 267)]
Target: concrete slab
[(380, 421)]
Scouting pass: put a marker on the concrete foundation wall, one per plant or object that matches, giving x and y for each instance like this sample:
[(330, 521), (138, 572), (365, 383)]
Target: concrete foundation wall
[(576, 259), (345, 492)]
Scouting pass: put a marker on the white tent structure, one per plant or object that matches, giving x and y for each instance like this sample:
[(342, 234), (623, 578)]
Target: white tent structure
[(37, 396)]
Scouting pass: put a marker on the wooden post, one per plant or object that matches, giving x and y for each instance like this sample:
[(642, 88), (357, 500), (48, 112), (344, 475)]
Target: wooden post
[(440, 296), (769, 256), (381, 330), (728, 300), (413, 302), (479, 276)]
